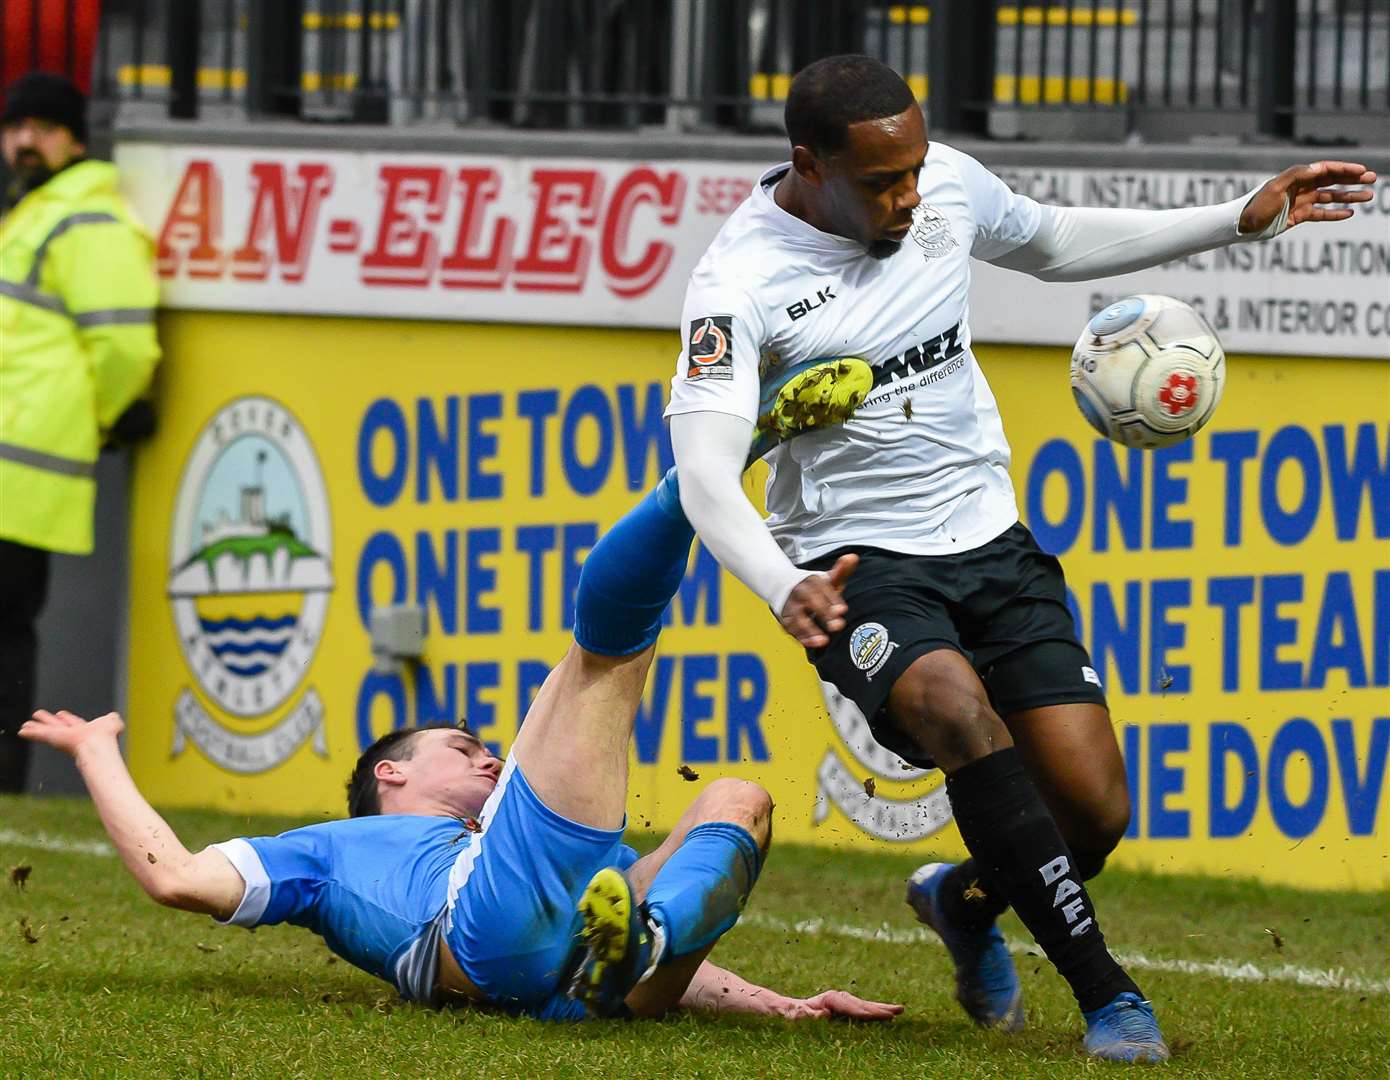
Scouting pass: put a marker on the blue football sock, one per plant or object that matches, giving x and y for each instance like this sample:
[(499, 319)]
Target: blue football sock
[(632, 573), (697, 896)]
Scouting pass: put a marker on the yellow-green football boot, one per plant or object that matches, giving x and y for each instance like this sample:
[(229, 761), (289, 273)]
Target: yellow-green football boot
[(807, 397), (613, 945)]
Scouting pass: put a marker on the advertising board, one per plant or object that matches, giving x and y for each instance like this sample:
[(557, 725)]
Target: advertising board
[(603, 242), (1234, 590)]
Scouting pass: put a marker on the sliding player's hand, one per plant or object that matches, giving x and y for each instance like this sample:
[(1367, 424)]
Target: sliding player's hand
[(1311, 195), (68, 732), (815, 609), (841, 1004)]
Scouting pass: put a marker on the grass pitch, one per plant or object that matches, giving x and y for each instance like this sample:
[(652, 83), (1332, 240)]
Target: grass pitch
[(96, 981)]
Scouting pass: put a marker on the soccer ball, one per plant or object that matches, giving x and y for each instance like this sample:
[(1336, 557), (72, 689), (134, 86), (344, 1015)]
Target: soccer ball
[(1148, 371)]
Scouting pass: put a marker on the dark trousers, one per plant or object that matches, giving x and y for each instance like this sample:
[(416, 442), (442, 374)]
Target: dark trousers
[(23, 587)]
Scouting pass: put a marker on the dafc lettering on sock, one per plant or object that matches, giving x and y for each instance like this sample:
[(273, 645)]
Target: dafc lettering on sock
[(1069, 897)]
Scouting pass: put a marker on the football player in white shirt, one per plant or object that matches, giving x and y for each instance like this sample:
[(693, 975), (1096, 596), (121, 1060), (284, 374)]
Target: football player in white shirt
[(892, 549)]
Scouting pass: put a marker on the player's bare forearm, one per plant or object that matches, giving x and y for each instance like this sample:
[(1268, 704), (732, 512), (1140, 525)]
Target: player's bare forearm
[(147, 845), (719, 990), (151, 850)]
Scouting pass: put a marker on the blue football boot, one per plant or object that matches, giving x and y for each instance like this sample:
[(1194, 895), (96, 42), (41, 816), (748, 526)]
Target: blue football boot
[(1125, 1030), (987, 985), (615, 944)]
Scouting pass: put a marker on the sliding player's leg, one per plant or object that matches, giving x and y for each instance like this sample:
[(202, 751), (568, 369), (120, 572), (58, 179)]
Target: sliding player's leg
[(669, 908), (573, 745), (556, 815)]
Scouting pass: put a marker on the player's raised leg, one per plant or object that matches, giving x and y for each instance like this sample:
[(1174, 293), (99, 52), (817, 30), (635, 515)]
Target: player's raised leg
[(573, 748), (555, 818), (573, 745)]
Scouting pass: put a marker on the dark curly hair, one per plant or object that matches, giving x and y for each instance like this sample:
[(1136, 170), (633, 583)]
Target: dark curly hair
[(830, 94)]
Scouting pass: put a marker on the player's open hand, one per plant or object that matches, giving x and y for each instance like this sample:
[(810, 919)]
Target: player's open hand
[(1311, 195), (68, 732), (830, 1004), (815, 609)]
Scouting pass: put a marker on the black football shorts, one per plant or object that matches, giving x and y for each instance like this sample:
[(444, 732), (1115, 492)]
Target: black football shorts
[(1003, 606)]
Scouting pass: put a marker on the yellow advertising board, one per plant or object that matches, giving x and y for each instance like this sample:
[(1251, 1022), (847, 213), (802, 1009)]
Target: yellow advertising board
[(1234, 591)]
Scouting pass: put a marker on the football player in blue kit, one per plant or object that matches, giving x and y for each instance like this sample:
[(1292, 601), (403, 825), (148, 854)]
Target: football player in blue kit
[(462, 879)]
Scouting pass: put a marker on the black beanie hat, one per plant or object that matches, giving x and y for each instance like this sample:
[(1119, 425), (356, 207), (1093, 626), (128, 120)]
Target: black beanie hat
[(42, 95)]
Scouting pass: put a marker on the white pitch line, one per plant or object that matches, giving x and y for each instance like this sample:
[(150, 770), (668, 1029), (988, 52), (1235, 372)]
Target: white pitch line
[(1230, 970), (44, 842)]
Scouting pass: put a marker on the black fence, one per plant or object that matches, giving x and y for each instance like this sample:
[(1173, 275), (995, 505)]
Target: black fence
[(1315, 69)]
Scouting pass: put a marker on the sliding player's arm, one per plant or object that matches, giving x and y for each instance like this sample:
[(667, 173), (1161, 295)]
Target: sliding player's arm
[(205, 882), (1080, 243), (715, 989)]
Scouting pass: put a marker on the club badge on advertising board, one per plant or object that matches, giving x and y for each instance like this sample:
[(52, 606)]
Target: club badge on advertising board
[(249, 583)]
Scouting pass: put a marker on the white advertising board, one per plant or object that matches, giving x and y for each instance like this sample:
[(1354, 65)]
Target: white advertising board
[(610, 243)]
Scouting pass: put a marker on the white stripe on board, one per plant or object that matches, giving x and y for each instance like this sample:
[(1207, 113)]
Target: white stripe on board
[(1229, 970)]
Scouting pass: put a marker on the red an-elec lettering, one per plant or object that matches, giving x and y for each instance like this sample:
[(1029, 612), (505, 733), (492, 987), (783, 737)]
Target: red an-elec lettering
[(556, 260), (465, 267), (291, 214), (412, 247), (193, 225), (630, 279), (405, 253)]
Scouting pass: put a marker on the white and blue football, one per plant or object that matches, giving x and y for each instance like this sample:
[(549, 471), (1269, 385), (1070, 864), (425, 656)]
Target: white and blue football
[(1148, 371)]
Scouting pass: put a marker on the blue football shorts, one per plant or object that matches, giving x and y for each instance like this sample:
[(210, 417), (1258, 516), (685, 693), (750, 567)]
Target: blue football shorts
[(512, 897)]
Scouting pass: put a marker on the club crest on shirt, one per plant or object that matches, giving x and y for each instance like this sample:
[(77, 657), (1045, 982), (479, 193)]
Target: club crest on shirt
[(710, 348), (932, 231)]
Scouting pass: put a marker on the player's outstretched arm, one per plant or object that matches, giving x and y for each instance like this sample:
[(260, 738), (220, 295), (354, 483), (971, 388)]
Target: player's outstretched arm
[(1081, 243), (205, 883), (1312, 193), (717, 990)]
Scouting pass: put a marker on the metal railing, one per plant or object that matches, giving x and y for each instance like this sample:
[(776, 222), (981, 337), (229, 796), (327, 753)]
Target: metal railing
[(1079, 68)]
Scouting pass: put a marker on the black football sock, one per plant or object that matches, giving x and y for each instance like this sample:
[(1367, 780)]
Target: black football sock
[(971, 900), (1012, 836)]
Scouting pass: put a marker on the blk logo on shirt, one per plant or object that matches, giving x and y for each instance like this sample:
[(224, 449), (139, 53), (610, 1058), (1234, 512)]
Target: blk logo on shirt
[(804, 307)]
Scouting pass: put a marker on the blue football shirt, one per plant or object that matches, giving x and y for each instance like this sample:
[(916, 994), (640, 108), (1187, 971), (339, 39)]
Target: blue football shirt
[(374, 888)]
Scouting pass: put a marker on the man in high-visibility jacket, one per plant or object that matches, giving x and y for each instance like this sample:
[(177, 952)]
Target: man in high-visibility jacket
[(77, 347)]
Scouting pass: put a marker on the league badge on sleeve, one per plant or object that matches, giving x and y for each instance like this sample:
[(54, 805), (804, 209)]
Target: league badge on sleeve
[(710, 348)]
